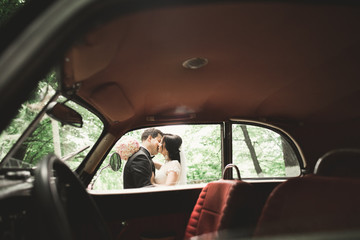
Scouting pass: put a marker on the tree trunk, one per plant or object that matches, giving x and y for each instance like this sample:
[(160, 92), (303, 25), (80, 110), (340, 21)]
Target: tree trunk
[(56, 137), (290, 160), (251, 149)]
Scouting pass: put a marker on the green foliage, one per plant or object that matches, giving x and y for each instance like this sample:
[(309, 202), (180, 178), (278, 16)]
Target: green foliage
[(8, 8), (41, 141), (26, 114), (268, 148), (73, 139), (202, 145)]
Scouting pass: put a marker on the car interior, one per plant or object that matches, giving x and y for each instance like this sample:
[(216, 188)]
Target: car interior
[(225, 74)]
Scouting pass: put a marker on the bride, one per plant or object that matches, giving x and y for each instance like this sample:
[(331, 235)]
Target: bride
[(173, 170)]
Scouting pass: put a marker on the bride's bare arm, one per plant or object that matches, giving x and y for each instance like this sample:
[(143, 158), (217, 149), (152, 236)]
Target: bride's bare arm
[(171, 178)]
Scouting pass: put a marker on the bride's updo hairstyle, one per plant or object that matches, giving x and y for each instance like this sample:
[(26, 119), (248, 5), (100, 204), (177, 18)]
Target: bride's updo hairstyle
[(172, 144)]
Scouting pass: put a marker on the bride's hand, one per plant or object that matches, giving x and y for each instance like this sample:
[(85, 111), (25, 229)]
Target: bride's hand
[(152, 180), (157, 165)]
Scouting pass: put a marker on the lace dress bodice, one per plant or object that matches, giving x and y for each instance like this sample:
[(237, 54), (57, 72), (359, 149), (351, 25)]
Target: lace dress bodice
[(161, 174)]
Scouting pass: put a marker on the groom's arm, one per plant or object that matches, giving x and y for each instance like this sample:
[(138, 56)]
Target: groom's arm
[(141, 171)]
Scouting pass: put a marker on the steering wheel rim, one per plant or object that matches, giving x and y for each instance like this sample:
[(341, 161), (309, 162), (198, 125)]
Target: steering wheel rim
[(53, 182)]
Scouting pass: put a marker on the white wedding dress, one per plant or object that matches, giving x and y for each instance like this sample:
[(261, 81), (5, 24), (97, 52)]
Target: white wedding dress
[(168, 166)]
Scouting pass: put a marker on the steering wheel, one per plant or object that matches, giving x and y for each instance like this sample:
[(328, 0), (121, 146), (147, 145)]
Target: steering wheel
[(63, 204)]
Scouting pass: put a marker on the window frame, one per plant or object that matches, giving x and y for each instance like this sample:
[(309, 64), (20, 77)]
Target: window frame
[(226, 154)]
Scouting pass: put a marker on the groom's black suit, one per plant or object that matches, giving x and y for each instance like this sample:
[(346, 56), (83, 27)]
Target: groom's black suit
[(138, 170)]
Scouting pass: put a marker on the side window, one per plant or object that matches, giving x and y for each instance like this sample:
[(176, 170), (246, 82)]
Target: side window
[(201, 146), (258, 152), (262, 153), (69, 143)]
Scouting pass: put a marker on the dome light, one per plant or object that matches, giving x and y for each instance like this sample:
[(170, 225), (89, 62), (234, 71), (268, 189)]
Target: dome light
[(195, 63)]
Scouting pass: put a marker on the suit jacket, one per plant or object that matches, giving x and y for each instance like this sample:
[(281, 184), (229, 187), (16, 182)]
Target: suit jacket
[(138, 170)]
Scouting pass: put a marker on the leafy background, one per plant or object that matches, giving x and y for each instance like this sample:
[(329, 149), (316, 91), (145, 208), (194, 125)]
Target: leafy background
[(202, 148)]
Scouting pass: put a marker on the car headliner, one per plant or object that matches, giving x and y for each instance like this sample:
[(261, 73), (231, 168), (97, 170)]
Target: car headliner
[(294, 62), (291, 65)]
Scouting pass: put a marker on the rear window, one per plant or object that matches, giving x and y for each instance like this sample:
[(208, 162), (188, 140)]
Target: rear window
[(263, 153)]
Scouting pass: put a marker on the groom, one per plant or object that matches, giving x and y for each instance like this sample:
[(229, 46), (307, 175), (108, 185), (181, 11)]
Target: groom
[(139, 167)]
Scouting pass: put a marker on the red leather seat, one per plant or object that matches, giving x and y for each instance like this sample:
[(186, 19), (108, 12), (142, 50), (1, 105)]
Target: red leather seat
[(327, 203), (222, 205), (309, 205)]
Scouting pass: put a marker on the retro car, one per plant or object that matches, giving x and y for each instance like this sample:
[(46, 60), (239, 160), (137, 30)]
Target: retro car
[(265, 95)]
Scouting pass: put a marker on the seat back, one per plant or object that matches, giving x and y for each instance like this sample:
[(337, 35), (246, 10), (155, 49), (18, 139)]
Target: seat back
[(311, 204), (224, 204), (318, 203), (339, 163)]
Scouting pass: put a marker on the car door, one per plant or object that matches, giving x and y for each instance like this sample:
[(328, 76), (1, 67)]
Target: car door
[(157, 212)]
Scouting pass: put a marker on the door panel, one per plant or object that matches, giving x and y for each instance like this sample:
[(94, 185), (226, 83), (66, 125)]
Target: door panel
[(148, 214), (155, 214)]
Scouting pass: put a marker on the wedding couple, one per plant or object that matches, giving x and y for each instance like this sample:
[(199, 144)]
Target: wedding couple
[(139, 170)]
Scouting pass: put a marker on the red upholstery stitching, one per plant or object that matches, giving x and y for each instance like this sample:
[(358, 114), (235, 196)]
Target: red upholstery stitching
[(221, 205), (195, 215)]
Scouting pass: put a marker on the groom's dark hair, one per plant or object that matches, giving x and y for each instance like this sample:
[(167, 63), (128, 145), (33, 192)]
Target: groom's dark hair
[(153, 132)]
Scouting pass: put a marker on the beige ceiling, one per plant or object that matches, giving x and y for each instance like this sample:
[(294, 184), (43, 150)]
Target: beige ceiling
[(297, 62)]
